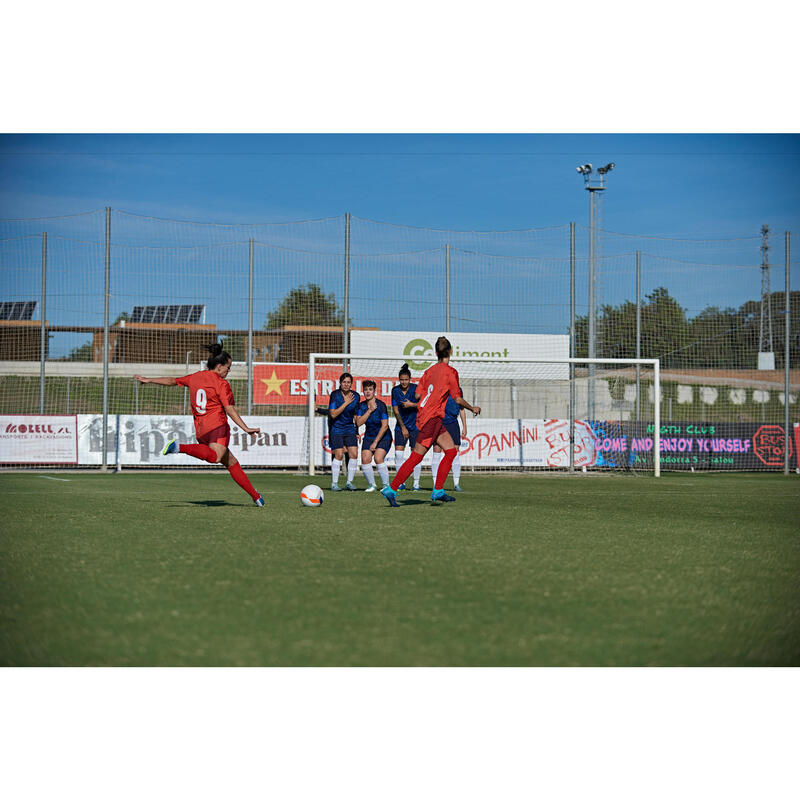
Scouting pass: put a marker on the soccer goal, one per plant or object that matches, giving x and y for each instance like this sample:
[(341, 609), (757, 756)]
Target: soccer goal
[(552, 415)]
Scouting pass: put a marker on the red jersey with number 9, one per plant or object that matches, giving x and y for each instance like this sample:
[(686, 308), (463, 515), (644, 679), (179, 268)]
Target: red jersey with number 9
[(437, 384), (208, 394)]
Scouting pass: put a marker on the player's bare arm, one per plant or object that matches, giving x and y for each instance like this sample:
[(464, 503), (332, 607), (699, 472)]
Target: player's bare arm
[(234, 415), (161, 381), (464, 404), (463, 415), (400, 422)]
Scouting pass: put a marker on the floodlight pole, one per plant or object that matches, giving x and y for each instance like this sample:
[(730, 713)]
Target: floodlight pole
[(592, 285)]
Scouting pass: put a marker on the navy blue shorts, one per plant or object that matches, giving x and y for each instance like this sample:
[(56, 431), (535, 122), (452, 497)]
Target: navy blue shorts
[(400, 440), (454, 429), (339, 440), (385, 442)]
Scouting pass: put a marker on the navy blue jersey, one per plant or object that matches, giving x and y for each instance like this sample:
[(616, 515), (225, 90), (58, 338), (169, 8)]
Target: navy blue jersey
[(344, 422), (451, 411), (373, 423), (408, 415)]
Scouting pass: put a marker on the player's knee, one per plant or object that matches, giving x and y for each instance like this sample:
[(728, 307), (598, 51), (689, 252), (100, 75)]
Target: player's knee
[(225, 457)]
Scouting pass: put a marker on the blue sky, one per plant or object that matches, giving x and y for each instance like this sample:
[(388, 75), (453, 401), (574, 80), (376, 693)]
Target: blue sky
[(691, 186), (673, 185)]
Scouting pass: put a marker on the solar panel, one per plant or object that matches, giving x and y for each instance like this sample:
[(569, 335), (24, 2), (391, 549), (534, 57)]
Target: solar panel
[(187, 314), (17, 309)]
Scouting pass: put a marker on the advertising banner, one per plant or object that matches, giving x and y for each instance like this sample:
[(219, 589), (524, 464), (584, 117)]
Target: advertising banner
[(500, 346), (139, 440), (287, 384), (497, 443), (38, 439), (693, 446), (489, 443)]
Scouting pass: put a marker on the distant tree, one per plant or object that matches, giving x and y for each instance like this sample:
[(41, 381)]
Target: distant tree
[(721, 338), (306, 305), (664, 329)]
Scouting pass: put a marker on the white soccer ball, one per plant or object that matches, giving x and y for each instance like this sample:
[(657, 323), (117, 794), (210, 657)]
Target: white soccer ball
[(312, 496)]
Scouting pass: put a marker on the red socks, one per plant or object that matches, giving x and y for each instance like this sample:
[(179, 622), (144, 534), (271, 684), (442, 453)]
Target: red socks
[(205, 453), (406, 469), (201, 451), (237, 473), (444, 467)]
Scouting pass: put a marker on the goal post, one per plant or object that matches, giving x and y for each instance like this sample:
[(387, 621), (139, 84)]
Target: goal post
[(545, 414)]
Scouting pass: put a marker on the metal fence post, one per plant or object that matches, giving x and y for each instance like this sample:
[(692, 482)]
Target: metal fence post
[(43, 343), (638, 333), (787, 334), (346, 326), (104, 462), (571, 346), (185, 388), (250, 336), (447, 289)]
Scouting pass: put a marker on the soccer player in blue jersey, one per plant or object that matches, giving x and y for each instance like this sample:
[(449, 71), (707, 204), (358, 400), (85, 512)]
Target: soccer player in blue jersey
[(452, 412), (342, 430), (377, 439), (404, 405)]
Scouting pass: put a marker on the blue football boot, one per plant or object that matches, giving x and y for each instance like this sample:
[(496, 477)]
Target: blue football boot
[(391, 495), (259, 501), (172, 447), (438, 496)]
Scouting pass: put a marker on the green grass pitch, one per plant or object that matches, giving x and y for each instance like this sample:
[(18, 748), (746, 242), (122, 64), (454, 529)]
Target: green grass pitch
[(182, 569)]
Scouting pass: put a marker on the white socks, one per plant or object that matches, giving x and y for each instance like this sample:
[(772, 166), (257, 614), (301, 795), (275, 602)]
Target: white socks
[(369, 473), (383, 471), (437, 457), (351, 469), (456, 469), (335, 467)]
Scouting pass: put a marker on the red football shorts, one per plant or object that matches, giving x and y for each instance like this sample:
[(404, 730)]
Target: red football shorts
[(221, 435), (430, 431)]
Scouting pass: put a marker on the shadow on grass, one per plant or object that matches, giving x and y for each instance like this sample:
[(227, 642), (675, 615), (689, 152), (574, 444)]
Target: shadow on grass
[(207, 503)]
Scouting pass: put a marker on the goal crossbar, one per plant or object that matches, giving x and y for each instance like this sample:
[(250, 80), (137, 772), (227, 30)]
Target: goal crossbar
[(313, 358)]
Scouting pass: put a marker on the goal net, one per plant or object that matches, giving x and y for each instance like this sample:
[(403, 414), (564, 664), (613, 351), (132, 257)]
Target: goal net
[(547, 415)]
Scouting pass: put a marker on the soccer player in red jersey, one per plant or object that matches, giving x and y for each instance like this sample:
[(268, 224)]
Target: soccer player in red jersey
[(437, 384), (212, 403)]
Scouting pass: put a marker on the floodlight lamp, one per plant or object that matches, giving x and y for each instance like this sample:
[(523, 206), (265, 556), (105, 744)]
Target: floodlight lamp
[(610, 166), (601, 170), (587, 168), (579, 169)]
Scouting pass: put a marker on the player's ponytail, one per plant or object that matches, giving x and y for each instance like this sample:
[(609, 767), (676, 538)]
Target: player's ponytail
[(218, 355), (404, 370), (443, 347)]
